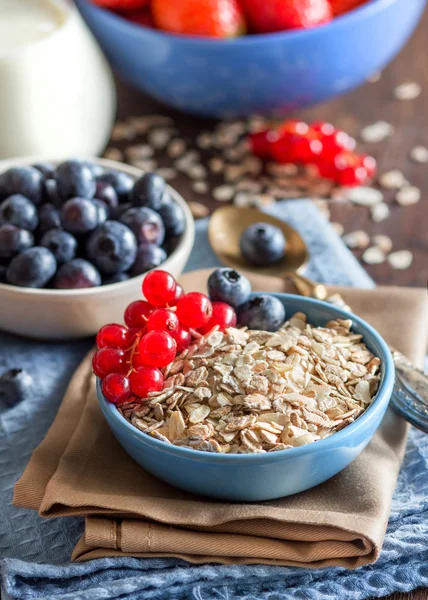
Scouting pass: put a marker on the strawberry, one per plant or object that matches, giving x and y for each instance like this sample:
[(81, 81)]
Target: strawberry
[(122, 5), (342, 6), (276, 15), (214, 18)]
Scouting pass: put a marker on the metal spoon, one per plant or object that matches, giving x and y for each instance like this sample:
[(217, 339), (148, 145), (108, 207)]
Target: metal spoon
[(410, 396)]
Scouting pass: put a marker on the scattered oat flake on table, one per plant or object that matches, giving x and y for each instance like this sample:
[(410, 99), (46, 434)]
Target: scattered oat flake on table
[(176, 148), (376, 132), (198, 210), (380, 212), (139, 151), (400, 260), (144, 165), (114, 154), (197, 171), (407, 91), (159, 138), (364, 196), (224, 193), (123, 131), (338, 228), (392, 180), (167, 173), (200, 187), (383, 242), (408, 195), (356, 240), (419, 154), (373, 256)]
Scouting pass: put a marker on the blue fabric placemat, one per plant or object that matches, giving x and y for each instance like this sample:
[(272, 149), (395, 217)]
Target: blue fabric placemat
[(35, 552)]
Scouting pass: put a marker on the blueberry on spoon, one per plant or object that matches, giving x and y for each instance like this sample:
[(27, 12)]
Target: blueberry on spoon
[(262, 244)]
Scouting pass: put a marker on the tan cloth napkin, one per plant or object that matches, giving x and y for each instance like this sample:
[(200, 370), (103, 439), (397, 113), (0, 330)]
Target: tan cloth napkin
[(80, 469)]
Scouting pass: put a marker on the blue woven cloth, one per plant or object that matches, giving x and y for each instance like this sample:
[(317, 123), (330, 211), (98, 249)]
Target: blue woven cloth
[(35, 552)]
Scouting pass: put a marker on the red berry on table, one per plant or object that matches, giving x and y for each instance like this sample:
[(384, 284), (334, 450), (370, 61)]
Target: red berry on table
[(163, 319), (145, 380), (223, 315), (369, 163), (178, 293), (109, 360), (322, 127), (213, 18), (336, 142), (283, 148), (157, 349), (277, 15), (260, 142), (182, 337), (116, 388), (194, 310), (349, 171), (307, 148), (122, 5), (114, 336), (137, 314), (159, 288)]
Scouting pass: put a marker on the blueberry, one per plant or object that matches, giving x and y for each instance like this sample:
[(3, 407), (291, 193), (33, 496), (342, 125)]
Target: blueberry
[(22, 180), (14, 240), (75, 178), (62, 245), (95, 169), (32, 268), (262, 244), (118, 278), (51, 192), (146, 224), (173, 218), (121, 182), (112, 247), (149, 256), (262, 312), (107, 194), (77, 274), (117, 212), (103, 210), (3, 270), (148, 191), (49, 217), (15, 385), (46, 169), (227, 285), (19, 211), (79, 215)]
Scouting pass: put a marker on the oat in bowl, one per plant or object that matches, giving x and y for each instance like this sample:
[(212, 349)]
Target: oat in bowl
[(249, 414)]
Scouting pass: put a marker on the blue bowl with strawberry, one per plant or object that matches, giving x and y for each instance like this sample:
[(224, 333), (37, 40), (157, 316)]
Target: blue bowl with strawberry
[(219, 73), (179, 439)]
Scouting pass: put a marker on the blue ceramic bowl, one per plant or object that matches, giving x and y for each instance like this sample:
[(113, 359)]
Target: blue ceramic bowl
[(264, 74), (252, 477)]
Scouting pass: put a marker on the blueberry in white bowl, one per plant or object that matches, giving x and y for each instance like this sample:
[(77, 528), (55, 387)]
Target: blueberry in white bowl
[(72, 298), (19, 211)]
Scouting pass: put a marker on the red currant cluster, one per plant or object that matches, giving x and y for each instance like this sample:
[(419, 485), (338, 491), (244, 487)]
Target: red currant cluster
[(320, 144), (129, 358)]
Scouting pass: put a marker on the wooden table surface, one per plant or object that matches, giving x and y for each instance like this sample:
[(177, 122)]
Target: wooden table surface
[(374, 101)]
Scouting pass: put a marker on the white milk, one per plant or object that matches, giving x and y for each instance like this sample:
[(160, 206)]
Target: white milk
[(57, 94), (25, 21)]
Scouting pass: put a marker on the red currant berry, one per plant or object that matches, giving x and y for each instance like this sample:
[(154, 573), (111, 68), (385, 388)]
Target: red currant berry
[(223, 315), (322, 127), (260, 143), (146, 380), (157, 349), (369, 163), (178, 293), (163, 319), (182, 337), (337, 142), (194, 310), (109, 360), (349, 171), (116, 388), (137, 314), (114, 336), (159, 288), (307, 148), (283, 149)]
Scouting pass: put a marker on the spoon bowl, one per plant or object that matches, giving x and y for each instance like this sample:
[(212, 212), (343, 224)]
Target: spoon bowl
[(228, 223)]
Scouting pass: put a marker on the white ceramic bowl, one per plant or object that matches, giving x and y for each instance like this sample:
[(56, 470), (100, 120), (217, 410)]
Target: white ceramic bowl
[(65, 314)]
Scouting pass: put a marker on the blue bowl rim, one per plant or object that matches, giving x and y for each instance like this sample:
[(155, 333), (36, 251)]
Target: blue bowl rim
[(380, 403), (366, 10)]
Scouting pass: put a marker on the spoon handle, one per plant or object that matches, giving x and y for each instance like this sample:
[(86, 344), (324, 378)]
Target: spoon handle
[(307, 287)]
